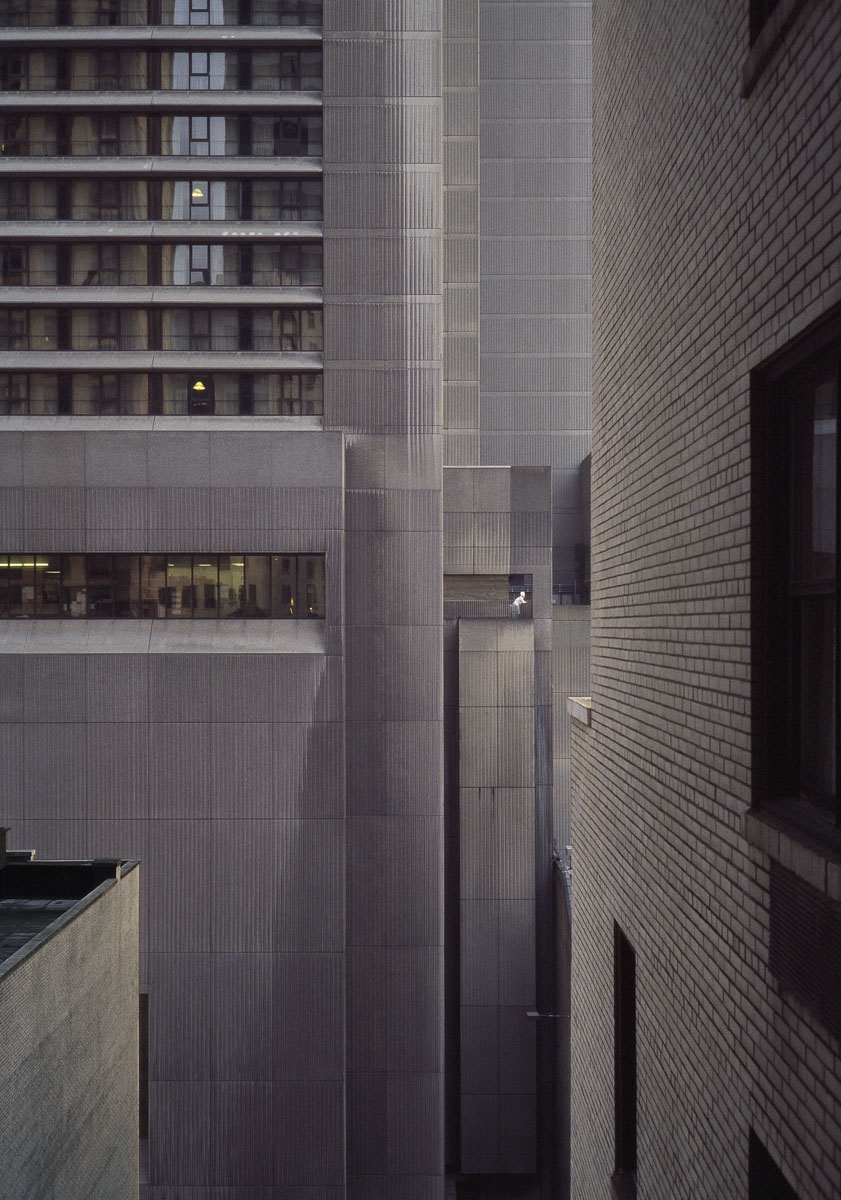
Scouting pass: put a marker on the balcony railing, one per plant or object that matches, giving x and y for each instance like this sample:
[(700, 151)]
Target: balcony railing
[(489, 610)]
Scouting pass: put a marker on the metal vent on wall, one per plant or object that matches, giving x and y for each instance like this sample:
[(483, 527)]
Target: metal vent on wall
[(805, 944)]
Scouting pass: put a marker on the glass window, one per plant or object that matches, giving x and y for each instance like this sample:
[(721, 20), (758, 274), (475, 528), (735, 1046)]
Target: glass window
[(284, 585), (21, 585), (48, 585), (231, 585), (257, 586), (13, 265), (795, 420), (100, 585), (206, 585), (179, 585), (73, 586), (156, 586), (153, 593), (126, 585), (311, 585)]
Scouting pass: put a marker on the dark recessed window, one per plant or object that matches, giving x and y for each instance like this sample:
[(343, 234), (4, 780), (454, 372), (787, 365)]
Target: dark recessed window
[(624, 1180), (795, 416), (765, 1179)]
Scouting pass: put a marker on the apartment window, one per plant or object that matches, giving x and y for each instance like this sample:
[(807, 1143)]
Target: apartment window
[(14, 136), (795, 414), (199, 200), (13, 265), (765, 1179), (13, 71), (162, 586), (624, 1180), (41, 393), (22, 329)]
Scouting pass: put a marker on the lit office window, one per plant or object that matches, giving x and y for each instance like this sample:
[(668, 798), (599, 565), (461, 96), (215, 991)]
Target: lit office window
[(162, 586)]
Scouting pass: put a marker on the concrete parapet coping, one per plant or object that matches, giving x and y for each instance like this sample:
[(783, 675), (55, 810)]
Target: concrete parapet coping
[(162, 637), (161, 36), (122, 868), (580, 708)]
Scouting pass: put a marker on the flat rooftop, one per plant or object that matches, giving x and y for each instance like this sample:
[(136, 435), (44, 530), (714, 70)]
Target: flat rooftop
[(34, 894)]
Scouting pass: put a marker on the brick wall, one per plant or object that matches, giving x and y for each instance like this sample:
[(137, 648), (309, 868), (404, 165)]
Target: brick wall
[(717, 239)]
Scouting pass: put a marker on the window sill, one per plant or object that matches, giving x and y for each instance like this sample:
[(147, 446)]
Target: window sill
[(805, 855), (580, 708), (773, 32)]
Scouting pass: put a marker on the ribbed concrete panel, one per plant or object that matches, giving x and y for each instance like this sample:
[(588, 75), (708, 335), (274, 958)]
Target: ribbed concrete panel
[(197, 1124), (561, 454), (381, 133), (12, 691), (461, 260), (309, 1000), (461, 309), (383, 374), (385, 1010), (358, 67), (530, 413), (388, 766), (497, 886), (535, 297), (224, 989), (380, 199), (462, 408), (543, 373), (461, 209), (399, 906), (566, 218), (535, 169), (397, 268)]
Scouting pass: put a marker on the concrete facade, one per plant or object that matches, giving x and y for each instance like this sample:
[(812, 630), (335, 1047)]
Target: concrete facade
[(717, 247), (282, 780), (69, 1031), (535, 149)]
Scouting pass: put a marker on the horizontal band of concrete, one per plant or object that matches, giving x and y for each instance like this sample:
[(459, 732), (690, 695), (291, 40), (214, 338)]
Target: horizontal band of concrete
[(196, 37), (162, 360), (220, 102), (175, 296), (203, 232), (162, 637), (164, 166)]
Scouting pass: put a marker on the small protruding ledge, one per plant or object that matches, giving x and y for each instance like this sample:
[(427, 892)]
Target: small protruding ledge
[(807, 857), (580, 708)]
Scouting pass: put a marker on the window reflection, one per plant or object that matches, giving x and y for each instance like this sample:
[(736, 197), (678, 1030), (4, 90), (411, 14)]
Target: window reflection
[(162, 586), (112, 134), (285, 393), (113, 199)]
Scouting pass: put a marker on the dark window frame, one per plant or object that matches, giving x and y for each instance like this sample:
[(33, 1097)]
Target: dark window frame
[(780, 391), (624, 1179), (765, 1179)]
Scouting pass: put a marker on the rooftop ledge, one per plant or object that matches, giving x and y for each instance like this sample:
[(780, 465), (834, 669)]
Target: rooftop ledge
[(808, 857), (580, 708)]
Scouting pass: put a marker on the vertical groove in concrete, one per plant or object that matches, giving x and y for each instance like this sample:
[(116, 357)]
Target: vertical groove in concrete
[(535, 247), (461, 242), (383, 380)]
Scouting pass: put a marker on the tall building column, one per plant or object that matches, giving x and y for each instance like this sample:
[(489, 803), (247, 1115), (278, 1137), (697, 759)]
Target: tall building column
[(382, 223)]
